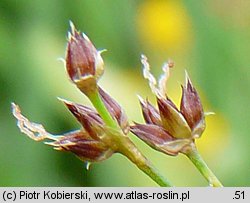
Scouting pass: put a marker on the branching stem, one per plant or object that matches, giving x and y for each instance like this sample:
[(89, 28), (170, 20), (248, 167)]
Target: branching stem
[(124, 145)]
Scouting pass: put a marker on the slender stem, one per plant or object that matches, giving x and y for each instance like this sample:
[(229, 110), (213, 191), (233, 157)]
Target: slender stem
[(154, 174), (133, 154), (123, 144), (200, 164), (100, 107)]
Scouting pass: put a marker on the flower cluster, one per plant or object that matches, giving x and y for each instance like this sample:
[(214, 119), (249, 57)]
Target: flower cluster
[(84, 66), (170, 129), (104, 128), (87, 143)]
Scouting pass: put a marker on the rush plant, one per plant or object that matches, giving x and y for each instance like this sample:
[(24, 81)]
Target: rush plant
[(105, 127)]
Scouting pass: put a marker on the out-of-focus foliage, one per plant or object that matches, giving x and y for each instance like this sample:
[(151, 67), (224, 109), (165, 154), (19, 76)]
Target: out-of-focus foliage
[(209, 39)]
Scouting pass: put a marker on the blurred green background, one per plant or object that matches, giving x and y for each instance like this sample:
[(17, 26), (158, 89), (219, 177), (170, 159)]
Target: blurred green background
[(210, 39)]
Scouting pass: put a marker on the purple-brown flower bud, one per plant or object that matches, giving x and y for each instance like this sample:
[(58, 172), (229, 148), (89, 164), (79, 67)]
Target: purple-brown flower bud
[(89, 118), (159, 139), (172, 120), (83, 146), (82, 143), (191, 108), (152, 134), (83, 61), (115, 110), (150, 113)]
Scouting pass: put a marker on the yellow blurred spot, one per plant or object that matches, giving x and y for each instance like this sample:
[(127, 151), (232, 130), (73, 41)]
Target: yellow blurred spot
[(215, 138), (164, 24)]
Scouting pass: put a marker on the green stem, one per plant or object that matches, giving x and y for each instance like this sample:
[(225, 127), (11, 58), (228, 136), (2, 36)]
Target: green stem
[(123, 144), (200, 164), (128, 149), (100, 107), (154, 174)]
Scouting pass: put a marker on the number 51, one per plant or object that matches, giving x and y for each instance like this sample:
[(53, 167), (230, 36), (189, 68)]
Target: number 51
[(239, 194)]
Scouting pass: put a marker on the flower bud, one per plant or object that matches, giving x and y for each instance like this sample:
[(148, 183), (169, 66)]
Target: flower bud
[(191, 108), (152, 134), (159, 139), (89, 118), (83, 61), (83, 146), (81, 142), (115, 110)]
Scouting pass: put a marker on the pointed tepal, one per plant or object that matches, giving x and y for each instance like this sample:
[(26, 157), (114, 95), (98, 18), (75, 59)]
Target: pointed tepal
[(115, 110), (84, 63), (191, 108), (172, 120), (150, 113), (89, 118)]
